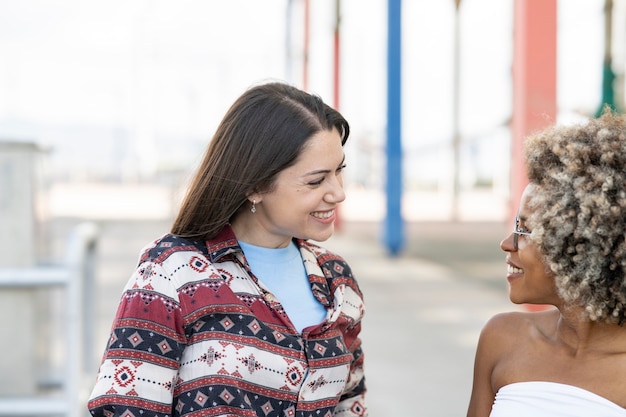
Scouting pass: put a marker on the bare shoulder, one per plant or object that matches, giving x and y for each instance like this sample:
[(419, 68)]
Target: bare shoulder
[(511, 328), (504, 336), (498, 336), (503, 323)]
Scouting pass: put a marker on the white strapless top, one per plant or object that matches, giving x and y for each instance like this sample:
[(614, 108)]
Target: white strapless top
[(551, 399)]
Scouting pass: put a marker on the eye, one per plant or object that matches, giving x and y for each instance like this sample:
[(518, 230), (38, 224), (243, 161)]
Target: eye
[(519, 228), (319, 181)]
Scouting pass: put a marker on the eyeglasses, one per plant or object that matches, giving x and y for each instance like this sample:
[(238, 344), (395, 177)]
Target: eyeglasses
[(517, 231)]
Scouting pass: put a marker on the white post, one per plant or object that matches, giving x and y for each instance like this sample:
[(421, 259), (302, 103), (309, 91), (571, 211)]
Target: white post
[(18, 248)]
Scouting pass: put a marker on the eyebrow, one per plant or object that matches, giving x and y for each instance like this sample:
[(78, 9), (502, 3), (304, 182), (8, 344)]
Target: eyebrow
[(326, 171)]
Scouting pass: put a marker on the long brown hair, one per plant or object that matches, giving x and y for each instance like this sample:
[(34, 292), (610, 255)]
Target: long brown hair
[(261, 134)]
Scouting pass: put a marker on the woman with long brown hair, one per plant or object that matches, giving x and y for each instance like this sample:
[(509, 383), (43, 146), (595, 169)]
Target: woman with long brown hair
[(236, 312)]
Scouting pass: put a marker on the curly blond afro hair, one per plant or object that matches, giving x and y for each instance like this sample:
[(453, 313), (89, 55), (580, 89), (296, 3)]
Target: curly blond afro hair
[(579, 214)]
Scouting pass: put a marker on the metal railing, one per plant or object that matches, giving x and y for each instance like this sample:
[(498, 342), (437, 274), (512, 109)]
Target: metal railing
[(76, 277)]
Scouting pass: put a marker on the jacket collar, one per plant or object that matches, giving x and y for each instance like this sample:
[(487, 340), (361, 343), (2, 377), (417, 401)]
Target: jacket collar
[(225, 243)]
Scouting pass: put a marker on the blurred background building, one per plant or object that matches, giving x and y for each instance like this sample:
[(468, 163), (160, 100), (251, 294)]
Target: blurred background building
[(130, 92)]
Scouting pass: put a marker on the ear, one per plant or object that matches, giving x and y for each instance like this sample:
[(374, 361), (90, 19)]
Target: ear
[(254, 196)]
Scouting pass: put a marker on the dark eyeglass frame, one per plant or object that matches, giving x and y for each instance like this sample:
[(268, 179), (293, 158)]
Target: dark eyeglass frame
[(517, 232)]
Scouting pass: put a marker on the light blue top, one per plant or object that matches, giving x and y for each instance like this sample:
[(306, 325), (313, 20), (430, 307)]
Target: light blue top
[(282, 271)]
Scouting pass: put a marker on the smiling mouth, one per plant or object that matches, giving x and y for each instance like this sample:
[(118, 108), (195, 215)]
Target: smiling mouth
[(323, 214), (510, 269)]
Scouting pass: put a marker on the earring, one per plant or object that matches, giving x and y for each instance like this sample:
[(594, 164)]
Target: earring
[(253, 209)]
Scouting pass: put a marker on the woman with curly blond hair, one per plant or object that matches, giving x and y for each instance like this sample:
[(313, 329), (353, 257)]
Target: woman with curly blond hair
[(568, 250)]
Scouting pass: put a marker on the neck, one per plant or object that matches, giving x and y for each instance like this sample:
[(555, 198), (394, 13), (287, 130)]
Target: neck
[(248, 229), (581, 335)]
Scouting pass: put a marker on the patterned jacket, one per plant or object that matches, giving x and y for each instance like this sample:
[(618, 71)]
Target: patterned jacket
[(196, 334)]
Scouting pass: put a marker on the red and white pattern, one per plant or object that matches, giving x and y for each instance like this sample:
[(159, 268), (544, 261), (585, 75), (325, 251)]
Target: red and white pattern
[(197, 335)]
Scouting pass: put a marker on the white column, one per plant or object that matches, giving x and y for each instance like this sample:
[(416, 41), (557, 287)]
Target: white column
[(18, 248)]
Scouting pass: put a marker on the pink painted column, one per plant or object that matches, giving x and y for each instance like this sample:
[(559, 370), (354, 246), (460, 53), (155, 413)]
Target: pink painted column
[(534, 81), (534, 86)]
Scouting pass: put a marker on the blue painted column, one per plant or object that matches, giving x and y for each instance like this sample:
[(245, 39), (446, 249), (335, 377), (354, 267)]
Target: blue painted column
[(393, 232)]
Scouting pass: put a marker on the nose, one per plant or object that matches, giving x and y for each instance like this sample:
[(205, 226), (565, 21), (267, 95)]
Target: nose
[(335, 194), (507, 244)]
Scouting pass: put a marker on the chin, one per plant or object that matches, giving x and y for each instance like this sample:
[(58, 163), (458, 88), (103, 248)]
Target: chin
[(516, 300), (321, 237)]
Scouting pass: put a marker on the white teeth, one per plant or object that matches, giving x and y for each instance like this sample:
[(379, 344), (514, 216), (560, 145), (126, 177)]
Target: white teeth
[(323, 215), (513, 270)]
